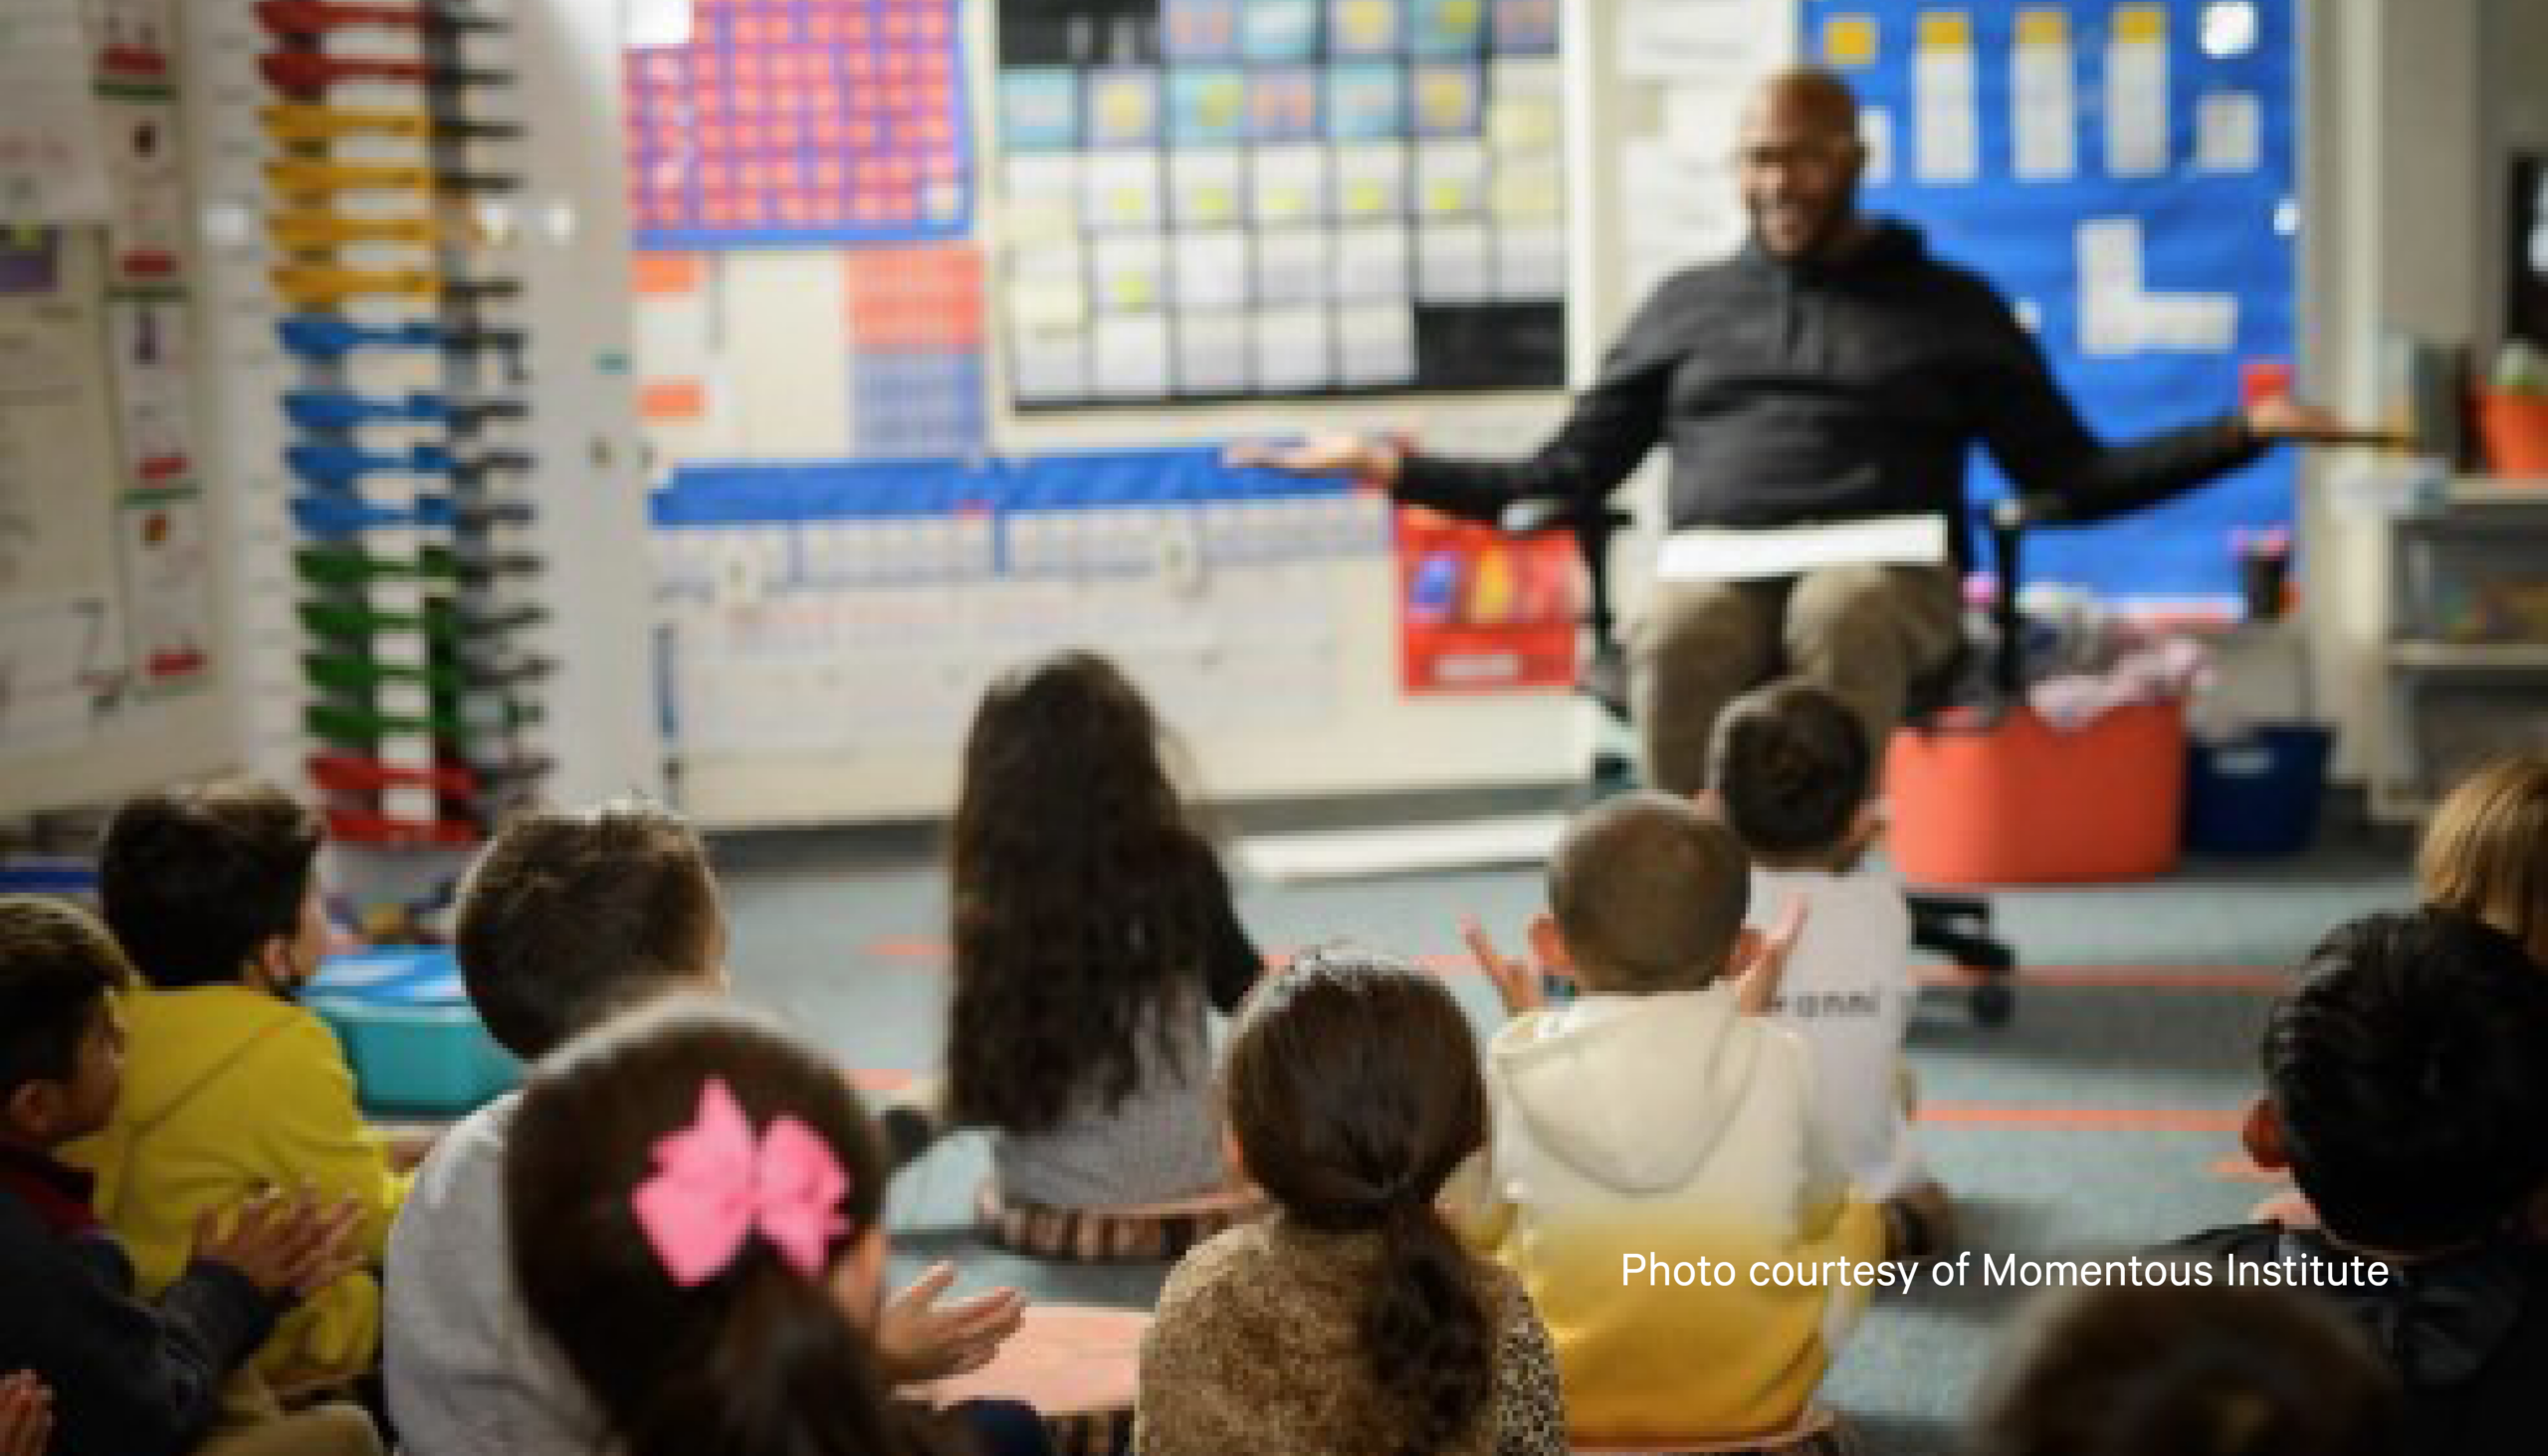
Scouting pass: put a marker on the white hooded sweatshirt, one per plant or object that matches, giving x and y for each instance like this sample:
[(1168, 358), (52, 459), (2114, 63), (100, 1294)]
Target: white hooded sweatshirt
[(1673, 1129)]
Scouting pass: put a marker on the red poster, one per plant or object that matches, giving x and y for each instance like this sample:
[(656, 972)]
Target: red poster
[(1485, 612)]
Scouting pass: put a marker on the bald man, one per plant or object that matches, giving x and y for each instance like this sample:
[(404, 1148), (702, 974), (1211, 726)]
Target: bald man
[(1831, 371)]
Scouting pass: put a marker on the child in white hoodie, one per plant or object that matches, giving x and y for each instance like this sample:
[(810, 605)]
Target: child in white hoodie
[(1653, 1121)]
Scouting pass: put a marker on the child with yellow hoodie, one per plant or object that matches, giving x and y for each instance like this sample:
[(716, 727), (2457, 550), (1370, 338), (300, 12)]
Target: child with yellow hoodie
[(229, 1087), (1654, 1117)]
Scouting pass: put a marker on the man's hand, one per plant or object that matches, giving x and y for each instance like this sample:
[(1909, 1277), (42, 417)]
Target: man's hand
[(1516, 982), (920, 1341), (1359, 456), (26, 1415), (289, 1246), (2279, 418)]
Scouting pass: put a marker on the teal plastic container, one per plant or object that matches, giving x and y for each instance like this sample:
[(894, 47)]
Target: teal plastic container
[(416, 1045)]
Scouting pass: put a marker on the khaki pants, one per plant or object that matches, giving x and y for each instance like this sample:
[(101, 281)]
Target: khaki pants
[(334, 1429), (1866, 632)]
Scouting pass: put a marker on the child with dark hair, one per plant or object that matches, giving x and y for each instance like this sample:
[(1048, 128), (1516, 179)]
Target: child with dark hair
[(1352, 1321), (1093, 933), (1654, 1117), (100, 1368), (2405, 1092), (1792, 776), (694, 1213), (566, 920), (2485, 853), (231, 1086), (2184, 1370)]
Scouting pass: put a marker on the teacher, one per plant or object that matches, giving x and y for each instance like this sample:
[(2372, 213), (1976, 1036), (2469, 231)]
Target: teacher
[(1831, 371)]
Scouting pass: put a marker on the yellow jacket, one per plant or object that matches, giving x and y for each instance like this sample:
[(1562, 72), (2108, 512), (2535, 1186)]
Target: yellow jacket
[(1673, 1128), (228, 1091)]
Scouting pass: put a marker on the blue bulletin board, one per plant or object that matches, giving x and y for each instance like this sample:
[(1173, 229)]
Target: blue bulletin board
[(2058, 149)]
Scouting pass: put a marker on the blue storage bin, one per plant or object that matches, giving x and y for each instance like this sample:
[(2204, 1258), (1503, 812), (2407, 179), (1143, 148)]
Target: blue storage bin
[(416, 1045), (2257, 792)]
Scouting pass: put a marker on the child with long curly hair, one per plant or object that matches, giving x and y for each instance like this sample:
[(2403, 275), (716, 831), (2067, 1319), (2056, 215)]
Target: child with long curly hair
[(1093, 933)]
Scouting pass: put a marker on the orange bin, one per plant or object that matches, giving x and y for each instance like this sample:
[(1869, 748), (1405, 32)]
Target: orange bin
[(2021, 802), (2515, 428)]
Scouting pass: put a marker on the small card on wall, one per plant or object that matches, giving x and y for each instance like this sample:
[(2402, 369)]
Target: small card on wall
[(167, 570), (1288, 184), (153, 388)]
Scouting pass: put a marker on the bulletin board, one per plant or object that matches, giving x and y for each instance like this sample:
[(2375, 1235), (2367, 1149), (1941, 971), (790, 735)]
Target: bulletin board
[(794, 593), (2124, 173), (1246, 200), (793, 121), (107, 567)]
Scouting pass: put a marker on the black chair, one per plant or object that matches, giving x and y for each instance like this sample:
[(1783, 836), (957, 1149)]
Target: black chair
[(1954, 928)]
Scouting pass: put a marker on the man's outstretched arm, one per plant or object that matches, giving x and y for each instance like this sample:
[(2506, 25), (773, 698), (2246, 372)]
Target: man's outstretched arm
[(2038, 437), (1608, 432)]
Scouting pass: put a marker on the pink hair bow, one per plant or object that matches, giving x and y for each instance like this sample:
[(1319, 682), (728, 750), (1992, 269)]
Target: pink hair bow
[(713, 1188)]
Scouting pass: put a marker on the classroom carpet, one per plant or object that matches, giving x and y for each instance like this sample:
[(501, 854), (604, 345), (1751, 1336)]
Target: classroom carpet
[(2102, 1120)]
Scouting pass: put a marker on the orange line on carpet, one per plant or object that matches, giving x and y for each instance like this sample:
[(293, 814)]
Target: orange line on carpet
[(907, 948), (2262, 980), (2079, 1119), (2240, 1169)]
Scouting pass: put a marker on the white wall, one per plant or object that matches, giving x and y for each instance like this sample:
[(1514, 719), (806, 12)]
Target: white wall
[(2411, 106), (591, 486)]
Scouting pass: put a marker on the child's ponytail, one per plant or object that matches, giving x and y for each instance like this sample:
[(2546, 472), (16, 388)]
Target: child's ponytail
[(1354, 1092), (1430, 1334)]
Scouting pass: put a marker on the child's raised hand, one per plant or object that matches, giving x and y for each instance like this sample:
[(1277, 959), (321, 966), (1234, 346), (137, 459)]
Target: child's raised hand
[(1873, 819), (26, 1415), (1765, 960), (290, 1246), (1516, 982), (919, 1340)]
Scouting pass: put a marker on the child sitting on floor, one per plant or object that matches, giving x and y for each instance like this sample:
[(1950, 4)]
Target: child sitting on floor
[(695, 1212), (2184, 1370), (1792, 775), (1652, 1117), (2485, 853), (120, 1374), (2405, 1090), (566, 920), (231, 1086), (1093, 933), (1352, 1321)]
